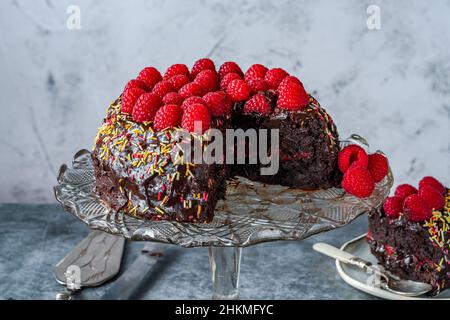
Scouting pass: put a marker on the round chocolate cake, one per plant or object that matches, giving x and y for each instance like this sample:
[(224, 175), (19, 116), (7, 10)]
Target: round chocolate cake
[(140, 168)]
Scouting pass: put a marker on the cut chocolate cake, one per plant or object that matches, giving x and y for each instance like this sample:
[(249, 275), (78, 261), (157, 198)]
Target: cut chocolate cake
[(308, 147), (140, 169), (410, 234)]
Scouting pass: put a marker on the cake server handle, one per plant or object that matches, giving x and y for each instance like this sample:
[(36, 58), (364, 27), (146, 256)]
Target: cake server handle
[(137, 274), (344, 256)]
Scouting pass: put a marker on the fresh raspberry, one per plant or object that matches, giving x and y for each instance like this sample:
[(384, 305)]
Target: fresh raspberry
[(352, 154), (256, 71), (405, 190), (179, 81), (208, 80), (258, 104), (168, 116), (176, 69), (257, 85), (358, 182), (192, 100), (227, 79), (238, 90), (191, 89), (217, 103), (202, 64), (162, 88), (289, 79), (433, 197), (194, 116), (274, 77), (393, 206), (416, 208), (150, 76), (430, 181), (389, 250), (129, 98), (173, 98), (378, 166), (229, 67), (135, 83), (292, 96), (146, 107)]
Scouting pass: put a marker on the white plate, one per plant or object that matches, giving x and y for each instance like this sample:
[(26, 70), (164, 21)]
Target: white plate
[(358, 278)]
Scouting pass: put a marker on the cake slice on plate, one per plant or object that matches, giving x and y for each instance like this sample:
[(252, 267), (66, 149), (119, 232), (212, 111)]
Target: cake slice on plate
[(410, 233)]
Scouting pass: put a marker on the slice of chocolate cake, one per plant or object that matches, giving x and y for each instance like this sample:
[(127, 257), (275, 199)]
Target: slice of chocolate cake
[(411, 238), (140, 171)]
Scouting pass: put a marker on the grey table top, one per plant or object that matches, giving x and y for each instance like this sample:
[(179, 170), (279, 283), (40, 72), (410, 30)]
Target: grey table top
[(33, 238)]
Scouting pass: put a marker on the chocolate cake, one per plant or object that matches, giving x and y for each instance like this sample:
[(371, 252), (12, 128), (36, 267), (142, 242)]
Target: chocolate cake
[(415, 250), (140, 170)]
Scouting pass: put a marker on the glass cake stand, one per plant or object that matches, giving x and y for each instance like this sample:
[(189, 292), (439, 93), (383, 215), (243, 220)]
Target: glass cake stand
[(252, 213)]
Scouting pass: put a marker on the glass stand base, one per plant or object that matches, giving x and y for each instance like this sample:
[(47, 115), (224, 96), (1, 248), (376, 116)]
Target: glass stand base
[(225, 267)]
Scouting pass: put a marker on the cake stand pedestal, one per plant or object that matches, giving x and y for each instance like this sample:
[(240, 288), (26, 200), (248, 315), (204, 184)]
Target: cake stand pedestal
[(225, 269), (252, 213)]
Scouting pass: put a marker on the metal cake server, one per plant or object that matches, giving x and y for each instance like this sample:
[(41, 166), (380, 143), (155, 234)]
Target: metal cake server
[(137, 274), (90, 263), (385, 280)]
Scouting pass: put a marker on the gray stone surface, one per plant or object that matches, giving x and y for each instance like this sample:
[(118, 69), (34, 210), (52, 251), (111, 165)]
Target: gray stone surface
[(33, 238)]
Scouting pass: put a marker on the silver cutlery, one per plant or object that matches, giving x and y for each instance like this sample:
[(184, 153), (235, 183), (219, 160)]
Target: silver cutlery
[(95, 260), (386, 281)]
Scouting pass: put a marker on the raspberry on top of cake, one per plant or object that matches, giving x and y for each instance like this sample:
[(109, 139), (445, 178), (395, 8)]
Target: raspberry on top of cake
[(361, 170), (410, 233), (135, 167)]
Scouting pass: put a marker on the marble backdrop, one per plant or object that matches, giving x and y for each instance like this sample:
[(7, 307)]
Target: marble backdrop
[(390, 85)]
